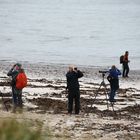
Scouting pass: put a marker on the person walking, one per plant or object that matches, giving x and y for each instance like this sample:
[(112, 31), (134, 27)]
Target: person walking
[(125, 64), (114, 82), (73, 89), (17, 87)]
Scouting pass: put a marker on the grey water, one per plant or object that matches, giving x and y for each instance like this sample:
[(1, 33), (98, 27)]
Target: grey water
[(80, 32)]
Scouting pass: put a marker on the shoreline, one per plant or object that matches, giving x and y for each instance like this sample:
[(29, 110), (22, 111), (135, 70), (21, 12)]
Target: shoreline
[(27, 63), (58, 72), (6, 65)]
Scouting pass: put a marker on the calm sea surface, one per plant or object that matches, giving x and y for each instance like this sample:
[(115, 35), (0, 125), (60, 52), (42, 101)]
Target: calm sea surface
[(81, 32)]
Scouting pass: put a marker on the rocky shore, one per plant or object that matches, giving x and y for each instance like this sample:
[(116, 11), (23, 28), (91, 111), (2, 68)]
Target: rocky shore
[(45, 100)]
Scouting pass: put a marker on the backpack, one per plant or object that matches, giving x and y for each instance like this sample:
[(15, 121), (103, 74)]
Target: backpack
[(121, 59), (21, 80)]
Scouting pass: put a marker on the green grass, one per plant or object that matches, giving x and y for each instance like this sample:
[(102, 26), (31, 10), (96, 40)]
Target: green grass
[(13, 130)]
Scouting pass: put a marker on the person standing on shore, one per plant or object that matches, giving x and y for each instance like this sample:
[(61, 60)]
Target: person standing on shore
[(73, 89), (125, 64), (114, 82), (19, 81)]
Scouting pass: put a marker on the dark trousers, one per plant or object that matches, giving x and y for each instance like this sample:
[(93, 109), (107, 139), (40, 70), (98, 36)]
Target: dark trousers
[(73, 95), (114, 85), (17, 97), (112, 95), (125, 69)]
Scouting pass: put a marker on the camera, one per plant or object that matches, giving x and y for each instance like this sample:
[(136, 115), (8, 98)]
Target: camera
[(75, 68), (103, 72)]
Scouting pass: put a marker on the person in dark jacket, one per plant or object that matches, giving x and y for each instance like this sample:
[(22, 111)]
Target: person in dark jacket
[(125, 65), (16, 93), (73, 89), (114, 82)]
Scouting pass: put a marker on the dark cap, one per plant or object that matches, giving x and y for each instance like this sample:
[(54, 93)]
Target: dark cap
[(18, 64)]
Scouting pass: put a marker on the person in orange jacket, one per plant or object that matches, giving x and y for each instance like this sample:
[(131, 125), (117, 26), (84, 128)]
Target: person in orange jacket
[(125, 64), (16, 93)]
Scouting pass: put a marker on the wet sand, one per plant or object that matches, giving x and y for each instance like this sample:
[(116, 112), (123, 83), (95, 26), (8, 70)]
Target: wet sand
[(45, 99)]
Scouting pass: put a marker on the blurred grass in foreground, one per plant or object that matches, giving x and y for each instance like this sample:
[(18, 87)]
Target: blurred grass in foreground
[(13, 130)]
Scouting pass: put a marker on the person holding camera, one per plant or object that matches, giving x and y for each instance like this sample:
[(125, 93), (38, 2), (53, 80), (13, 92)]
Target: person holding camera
[(114, 82), (73, 89), (16, 93)]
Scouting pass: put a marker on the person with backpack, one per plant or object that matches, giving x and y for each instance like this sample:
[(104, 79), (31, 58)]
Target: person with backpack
[(73, 89), (19, 81), (124, 62), (114, 82)]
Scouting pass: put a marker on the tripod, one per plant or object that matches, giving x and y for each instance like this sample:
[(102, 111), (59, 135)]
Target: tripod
[(102, 84)]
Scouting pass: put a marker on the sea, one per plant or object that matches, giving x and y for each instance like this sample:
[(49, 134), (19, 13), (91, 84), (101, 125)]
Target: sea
[(81, 32)]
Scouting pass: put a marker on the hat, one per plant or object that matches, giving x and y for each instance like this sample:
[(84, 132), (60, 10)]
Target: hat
[(18, 64)]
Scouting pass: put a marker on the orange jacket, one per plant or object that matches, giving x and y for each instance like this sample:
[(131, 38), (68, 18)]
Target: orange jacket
[(125, 58)]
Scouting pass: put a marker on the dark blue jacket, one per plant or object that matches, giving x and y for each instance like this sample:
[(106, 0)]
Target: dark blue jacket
[(13, 73), (114, 73), (114, 82), (72, 80)]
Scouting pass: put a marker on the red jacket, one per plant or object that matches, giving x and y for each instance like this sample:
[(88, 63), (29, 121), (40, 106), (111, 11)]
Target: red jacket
[(125, 58)]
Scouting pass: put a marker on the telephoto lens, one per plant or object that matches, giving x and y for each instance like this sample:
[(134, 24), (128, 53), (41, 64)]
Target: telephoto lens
[(103, 71)]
